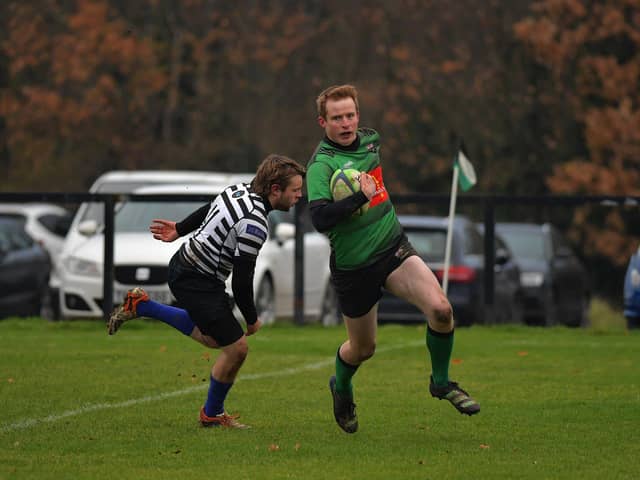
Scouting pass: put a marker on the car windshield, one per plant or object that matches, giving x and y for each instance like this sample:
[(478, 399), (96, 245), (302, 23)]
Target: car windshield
[(430, 244), (137, 216), (525, 244), (12, 235), (95, 210)]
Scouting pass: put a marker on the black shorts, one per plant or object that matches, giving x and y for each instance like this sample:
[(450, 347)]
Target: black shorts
[(206, 301), (359, 290)]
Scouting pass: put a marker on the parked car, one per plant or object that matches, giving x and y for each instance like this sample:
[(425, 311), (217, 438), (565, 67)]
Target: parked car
[(555, 283), (632, 291), (85, 232), (274, 280), (24, 270), (48, 225), (428, 236), (141, 260)]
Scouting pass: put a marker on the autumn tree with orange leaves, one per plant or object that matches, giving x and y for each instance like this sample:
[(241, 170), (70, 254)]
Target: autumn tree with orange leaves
[(592, 53), (545, 93), (80, 93)]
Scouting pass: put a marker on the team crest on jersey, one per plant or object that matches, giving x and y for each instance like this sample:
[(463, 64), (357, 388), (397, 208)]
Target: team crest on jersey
[(371, 147), (237, 194)]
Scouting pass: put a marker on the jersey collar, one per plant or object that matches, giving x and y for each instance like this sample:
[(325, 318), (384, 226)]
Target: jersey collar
[(349, 148)]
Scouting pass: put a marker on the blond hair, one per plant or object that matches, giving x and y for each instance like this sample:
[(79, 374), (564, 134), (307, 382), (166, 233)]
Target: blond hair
[(275, 170), (336, 92)]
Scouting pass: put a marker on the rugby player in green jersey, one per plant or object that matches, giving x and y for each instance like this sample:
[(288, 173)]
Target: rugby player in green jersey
[(370, 251)]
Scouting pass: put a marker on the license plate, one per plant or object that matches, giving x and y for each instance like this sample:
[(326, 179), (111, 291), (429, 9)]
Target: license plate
[(161, 296)]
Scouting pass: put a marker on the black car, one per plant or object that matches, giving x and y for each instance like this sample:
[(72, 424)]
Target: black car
[(428, 235), (555, 284), (24, 271)]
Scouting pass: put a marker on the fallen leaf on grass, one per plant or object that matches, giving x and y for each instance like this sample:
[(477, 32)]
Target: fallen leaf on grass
[(456, 361), (523, 354), (206, 356), (273, 447), (482, 445), (163, 348), (296, 447), (10, 380)]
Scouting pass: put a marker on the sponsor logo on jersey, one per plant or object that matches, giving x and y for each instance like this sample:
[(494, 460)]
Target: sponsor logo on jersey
[(256, 232), (238, 194), (381, 194)]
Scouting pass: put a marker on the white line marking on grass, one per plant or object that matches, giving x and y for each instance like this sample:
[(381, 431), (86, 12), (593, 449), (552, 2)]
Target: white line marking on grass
[(31, 422)]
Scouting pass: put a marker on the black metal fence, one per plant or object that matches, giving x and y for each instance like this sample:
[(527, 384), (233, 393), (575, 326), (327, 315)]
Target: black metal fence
[(487, 203)]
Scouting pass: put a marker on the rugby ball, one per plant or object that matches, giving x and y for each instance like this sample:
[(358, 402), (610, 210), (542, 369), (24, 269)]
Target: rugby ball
[(344, 183)]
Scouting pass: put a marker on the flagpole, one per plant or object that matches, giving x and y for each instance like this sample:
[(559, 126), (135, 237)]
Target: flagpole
[(452, 209)]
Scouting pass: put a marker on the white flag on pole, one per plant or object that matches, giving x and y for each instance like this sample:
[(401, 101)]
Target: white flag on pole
[(467, 174), (463, 173)]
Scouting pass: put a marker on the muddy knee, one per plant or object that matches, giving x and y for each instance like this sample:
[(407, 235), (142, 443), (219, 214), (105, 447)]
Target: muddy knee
[(443, 316)]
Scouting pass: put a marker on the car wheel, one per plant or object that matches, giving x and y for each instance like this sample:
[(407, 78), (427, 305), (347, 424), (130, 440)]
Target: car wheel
[(50, 309), (545, 319), (514, 312), (581, 317), (633, 322), (330, 314), (266, 301), (551, 311), (34, 307)]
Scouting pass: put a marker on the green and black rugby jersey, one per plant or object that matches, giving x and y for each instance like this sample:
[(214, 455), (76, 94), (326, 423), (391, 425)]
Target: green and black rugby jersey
[(359, 240)]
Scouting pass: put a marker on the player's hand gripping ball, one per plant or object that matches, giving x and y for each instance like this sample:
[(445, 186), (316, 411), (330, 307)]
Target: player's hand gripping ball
[(345, 183)]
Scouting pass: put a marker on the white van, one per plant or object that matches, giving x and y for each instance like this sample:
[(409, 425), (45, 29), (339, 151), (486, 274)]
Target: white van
[(81, 270)]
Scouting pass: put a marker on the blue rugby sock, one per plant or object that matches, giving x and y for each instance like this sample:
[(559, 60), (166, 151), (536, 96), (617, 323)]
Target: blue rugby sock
[(215, 399), (178, 318)]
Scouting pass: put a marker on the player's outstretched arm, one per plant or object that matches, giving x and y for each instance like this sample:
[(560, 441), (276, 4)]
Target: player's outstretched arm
[(164, 230)]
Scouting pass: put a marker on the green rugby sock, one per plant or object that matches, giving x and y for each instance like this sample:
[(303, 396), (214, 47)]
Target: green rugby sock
[(440, 346), (344, 373)]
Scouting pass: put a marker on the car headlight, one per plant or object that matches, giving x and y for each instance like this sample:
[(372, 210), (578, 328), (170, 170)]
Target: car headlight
[(78, 266), (531, 279)]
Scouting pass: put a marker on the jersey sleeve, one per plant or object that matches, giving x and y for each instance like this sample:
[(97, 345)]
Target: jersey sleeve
[(251, 235), (318, 179), (242, 287), (193, 221)]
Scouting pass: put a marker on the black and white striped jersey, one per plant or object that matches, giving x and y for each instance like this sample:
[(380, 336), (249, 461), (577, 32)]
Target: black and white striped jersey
[(236, 224)]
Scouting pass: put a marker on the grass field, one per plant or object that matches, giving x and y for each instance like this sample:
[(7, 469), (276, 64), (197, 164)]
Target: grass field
[(556, 403)]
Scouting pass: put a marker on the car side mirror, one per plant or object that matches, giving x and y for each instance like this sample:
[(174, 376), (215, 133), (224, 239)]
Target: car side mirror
[(502, 256), (88, 227), (285, 231)]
